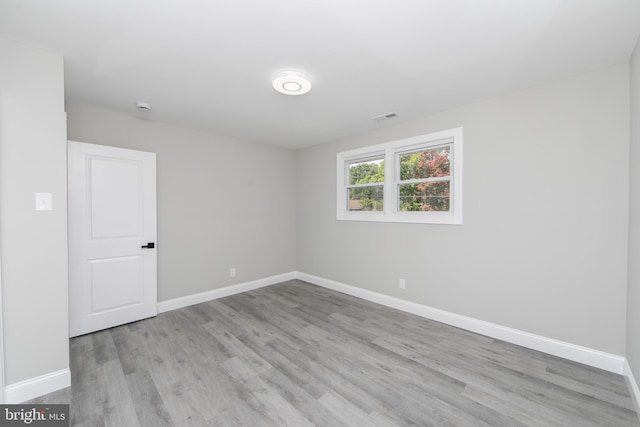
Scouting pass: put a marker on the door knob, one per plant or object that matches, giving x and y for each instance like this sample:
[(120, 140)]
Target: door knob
[(149, 245)]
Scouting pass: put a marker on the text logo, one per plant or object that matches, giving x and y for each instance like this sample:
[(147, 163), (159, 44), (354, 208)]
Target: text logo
[(34, 415)]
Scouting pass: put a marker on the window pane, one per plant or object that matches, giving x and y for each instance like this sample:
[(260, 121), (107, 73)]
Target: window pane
[(366, 172), (366, 198), (429, 163), (427, 196)]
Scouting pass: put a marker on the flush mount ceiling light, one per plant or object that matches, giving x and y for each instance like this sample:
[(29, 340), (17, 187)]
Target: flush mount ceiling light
[(291, 83)]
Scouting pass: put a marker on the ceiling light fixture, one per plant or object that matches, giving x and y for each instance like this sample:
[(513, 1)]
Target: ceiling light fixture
[(291, 83)]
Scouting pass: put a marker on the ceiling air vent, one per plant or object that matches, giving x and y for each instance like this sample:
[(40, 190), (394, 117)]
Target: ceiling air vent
[(384, 117)]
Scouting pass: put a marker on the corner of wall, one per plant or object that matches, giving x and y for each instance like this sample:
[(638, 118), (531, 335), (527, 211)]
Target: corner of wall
[(633, 270)]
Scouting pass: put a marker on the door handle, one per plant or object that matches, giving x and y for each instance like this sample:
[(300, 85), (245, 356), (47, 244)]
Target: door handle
[(149, 245)]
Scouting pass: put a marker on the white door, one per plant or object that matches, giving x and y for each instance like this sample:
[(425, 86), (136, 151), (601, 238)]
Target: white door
[(112, 236)]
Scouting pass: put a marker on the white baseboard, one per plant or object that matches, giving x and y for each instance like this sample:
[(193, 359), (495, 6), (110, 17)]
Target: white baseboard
[(38, 386), (633, 385), (176, 303), (607, 361)]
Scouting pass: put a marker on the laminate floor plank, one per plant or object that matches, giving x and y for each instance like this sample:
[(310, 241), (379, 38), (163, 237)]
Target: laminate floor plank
[(130, 350), (298, 375), (218, 396), (353, 415), (294, 354), (421, 381), (276, 297), (251, 319), (274, 405), (182, 410), (526, 415), (327, 376), (115, 396), (236, 347), (149, 406), (103, 347), (224, 317), (561, 398), (298, 397), (280, 315), (87, 406), (164, 360)]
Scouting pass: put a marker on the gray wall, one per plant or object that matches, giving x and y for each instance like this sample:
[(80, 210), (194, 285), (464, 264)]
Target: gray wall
[(222, 202), (633, 296), (543, 247), (33, 245)]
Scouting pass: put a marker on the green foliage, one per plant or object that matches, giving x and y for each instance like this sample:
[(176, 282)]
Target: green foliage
[(426, 196), (409, 165), (366, 198), (422, 196), (364, 173), (369, 203)]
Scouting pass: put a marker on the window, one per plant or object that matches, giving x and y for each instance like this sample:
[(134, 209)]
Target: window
[(366, 184), (416, 180)]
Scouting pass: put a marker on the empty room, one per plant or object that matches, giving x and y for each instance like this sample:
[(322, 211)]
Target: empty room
[(301, 213)]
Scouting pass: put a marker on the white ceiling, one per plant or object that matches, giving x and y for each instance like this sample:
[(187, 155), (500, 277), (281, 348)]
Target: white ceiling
[(208, 64)]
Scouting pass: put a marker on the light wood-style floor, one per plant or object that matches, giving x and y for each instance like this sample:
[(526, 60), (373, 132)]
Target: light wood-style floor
[(295, 354)]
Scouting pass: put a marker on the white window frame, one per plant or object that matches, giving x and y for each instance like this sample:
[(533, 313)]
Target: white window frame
[(391, 152)]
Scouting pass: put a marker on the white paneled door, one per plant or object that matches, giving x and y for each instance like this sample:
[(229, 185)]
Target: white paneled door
[(112, 236)]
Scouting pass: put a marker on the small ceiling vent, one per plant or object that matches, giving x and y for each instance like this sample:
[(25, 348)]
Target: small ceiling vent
[(384, 117), (143, 106)]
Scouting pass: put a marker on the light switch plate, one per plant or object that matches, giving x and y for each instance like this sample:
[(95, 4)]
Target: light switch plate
[(44, 201)]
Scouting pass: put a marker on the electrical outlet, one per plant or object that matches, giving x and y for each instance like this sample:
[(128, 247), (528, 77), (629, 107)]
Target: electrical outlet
[(232, 272), (402, 284)]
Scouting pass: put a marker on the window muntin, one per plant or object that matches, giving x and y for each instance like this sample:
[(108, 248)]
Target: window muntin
[(416, 180)]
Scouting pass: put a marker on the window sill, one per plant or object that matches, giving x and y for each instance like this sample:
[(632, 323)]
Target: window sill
[(408, 218)]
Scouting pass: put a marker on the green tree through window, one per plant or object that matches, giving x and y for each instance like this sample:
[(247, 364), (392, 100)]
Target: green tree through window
[(369, 196), (425, 180)]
